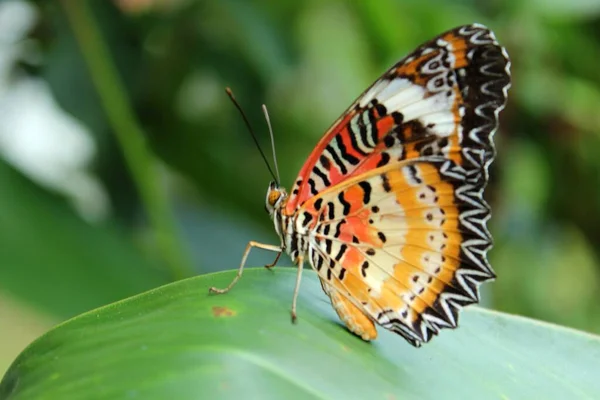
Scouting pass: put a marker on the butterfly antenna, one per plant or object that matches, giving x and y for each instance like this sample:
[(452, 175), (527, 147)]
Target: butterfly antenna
[(237, 105), (264, 107)]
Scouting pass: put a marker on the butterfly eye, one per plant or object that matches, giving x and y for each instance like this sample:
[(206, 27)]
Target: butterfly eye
[(274, 195)]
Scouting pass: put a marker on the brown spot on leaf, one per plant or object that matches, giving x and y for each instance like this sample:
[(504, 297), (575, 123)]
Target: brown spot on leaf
[(222, 311)]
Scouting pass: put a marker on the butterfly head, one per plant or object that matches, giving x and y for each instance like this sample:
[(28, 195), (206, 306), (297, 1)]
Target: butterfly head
[(276, 198)]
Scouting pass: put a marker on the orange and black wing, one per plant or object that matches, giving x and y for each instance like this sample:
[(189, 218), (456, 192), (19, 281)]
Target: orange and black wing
[(393, 193)]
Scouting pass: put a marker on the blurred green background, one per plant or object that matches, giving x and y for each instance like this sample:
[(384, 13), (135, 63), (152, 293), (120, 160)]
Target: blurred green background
[(74, 229)]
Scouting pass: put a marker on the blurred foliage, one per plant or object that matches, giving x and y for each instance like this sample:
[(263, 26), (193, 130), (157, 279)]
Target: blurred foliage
[(307, 61)]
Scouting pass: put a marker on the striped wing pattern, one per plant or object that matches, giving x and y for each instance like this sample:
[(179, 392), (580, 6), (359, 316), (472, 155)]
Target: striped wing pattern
[(390, 203)]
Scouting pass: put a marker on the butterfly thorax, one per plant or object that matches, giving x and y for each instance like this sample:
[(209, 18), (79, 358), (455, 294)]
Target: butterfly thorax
[(293, 240)]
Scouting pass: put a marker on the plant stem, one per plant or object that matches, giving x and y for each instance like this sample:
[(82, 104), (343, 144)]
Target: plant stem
[(140, 161)]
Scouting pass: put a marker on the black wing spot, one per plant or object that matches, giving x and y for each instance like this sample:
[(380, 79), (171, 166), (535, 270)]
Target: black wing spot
[(362, 131), (386, 183), (328, 244), (354, 137), (318, 204), (363, 268), (370, 252), (380, 108), (373, 129), (330, 210), (344, 203), (311, 183), (338, 228), (336, 159), (389, 141), (344, 153), (340, 254), (412, 170), (366, 187), (325, 162), (317, 171), (385, 158), (307, 218), (375, 209), (294, 241), (398, 118), (381, 237), (428, 151), (319, 263)]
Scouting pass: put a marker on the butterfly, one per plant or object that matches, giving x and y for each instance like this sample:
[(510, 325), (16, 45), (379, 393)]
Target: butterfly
[(388, 209)]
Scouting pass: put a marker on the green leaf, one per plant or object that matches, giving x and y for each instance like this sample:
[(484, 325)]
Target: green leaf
[(179, 342)]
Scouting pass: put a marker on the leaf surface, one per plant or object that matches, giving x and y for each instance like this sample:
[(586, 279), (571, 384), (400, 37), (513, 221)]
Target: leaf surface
[(179, 342)]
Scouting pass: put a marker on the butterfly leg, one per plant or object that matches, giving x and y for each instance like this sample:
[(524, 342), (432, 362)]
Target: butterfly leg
[(249, 247), (355, 320), (297, 288), (272, 265)]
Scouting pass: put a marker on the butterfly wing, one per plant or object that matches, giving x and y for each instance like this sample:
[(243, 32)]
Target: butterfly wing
[(442, 99), (404, 243), (394, 190)]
